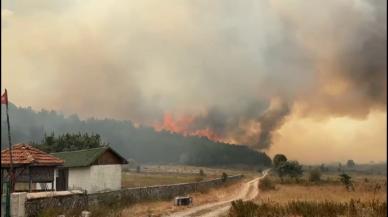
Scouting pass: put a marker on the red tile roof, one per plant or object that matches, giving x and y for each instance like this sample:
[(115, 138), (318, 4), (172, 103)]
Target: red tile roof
[(23, 154)]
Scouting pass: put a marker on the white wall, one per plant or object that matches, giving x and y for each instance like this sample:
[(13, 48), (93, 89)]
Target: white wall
[(105, 177), (95, 178), (79, 178)]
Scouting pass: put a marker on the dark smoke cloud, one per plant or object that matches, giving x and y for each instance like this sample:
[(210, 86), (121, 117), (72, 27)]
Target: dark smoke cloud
[(270, 121), (225, 63)]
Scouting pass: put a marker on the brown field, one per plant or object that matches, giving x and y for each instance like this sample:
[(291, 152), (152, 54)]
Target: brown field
[(327, 197), (131, 179), (173, 174), (333, 190)]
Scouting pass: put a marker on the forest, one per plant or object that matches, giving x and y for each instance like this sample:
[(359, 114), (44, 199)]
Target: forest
[(142, 144)]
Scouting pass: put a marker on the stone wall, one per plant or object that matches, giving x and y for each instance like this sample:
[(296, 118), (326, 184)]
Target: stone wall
[(75, 201), (160, 192), (129, 195)]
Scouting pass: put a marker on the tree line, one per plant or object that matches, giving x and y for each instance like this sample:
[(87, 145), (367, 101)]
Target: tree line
[(54, 132)]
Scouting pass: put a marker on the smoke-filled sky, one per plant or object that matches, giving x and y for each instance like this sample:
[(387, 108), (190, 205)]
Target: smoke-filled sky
[(305, 78)]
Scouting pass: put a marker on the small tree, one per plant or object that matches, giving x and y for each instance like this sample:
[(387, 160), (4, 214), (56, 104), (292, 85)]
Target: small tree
[(315, 175), (339, 169), (201, 173), (346, 180), (224, 177), (278, 159), (350, 164), (290, 168)]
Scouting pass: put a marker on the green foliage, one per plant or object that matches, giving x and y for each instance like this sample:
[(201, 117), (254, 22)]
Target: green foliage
[(266, 184), (70, 142), (143, 144), (315, 175), (308, 208), (278, 159), (291, 169)]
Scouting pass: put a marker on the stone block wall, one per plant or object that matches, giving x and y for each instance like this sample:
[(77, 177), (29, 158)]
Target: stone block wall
[(66, 202)]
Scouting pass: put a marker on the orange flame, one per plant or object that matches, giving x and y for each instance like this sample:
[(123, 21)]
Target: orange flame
[(182, 125)]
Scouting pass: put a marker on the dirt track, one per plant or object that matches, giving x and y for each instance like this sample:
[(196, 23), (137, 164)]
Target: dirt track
[(248, 192)]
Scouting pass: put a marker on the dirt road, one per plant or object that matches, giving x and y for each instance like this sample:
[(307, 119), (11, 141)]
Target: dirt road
[(248, 192)]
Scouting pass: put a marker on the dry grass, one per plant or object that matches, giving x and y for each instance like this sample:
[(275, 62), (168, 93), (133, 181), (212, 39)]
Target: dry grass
[(173, 174), (327, 198), (156, 209), (131, 179), (332, 191)]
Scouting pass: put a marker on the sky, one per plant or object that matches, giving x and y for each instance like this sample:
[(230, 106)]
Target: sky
[(303, 78)]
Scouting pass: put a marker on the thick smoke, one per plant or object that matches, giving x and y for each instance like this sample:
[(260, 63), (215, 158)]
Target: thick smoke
[(228, 70)]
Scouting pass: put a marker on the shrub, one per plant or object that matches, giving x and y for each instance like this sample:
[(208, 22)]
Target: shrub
[(201, 172), (315, 175), (346, 180), (308, 208), (243, 209), (224, 177), (266, 184)]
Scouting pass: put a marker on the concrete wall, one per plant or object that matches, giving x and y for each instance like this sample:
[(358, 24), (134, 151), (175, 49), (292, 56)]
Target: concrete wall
[(105, 178), (18, 204), (79, 178), (96, 178)]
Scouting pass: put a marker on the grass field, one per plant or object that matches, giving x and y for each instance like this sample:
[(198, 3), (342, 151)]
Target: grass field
[(150, 175), (131, 179), (327, 197)]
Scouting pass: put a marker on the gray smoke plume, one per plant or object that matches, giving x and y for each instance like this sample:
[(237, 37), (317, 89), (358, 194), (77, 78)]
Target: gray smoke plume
[(223, 63)]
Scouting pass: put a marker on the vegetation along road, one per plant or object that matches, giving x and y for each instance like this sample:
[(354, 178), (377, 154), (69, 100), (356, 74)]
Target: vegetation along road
[(248, 192)]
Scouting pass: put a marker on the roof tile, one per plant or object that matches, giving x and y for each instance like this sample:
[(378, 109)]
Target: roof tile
[(26, 154)]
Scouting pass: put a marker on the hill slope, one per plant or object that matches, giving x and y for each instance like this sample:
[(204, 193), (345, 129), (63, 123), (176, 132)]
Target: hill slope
[(142, 144)]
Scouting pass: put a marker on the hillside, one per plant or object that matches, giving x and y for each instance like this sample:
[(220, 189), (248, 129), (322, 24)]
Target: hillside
[(142, 144)]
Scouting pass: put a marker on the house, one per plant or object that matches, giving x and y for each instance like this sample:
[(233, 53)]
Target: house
[(93, 170), (32, 167)]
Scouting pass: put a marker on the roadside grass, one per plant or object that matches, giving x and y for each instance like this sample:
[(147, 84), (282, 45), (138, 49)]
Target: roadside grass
[(325, 198), (326, 208)]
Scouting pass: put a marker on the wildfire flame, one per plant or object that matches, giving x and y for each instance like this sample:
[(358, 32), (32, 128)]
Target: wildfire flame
[(183, 126)]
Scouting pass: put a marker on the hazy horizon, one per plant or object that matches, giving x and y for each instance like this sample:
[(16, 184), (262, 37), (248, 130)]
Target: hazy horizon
[(307, 80)]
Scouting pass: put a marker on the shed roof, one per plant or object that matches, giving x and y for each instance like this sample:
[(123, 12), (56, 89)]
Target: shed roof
[(24, 154), (86, 157)]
